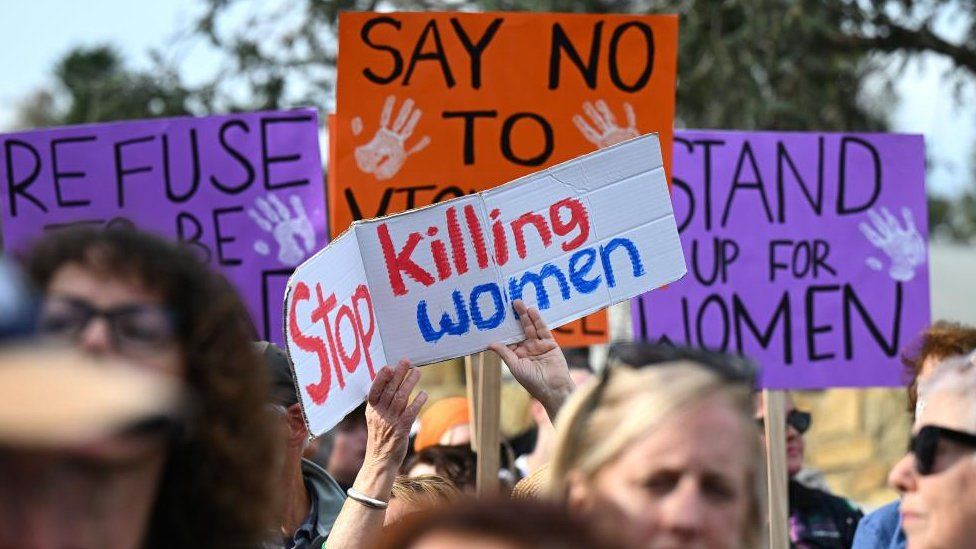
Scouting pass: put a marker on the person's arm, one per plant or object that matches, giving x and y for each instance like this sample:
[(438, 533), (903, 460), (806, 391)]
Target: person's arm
[(388, 422), (537, 362)]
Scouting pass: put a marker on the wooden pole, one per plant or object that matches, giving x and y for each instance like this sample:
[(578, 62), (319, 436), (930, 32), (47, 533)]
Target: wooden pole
[(489, 395), (776, 473), (472, 367)]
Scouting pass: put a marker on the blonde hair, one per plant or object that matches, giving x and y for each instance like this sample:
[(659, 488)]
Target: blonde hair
[(593, 430), (534, 486), (423, 490)]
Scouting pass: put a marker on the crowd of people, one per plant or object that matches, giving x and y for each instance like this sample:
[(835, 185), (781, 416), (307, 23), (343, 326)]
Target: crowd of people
[(138, 409)]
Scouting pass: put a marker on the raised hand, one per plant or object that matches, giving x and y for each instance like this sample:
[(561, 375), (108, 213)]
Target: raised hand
[(904, 247), (292, 231), (388, 420), (537, 362), (389, 415), (385, 154), (604, 130)]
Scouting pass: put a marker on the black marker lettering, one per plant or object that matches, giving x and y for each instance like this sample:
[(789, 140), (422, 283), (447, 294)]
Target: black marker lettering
[(221, 239), (782, 312), (547, 148), (15, 188), (560, 42), (754, 185), (195, 180), (267, 159), (185, 219), (812, 328), (241, 158), (57, 175), (645, 75), (121, 170), (394, 53), (476, 50), (436, 55), (842, 207), (783, 159), (469, 118)]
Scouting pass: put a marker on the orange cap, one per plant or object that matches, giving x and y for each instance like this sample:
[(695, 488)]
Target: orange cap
[(439, 418)]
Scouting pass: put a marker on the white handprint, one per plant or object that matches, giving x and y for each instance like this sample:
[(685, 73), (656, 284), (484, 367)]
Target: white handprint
[(904, 246), (384, 155), (606, 131), (292, 231)]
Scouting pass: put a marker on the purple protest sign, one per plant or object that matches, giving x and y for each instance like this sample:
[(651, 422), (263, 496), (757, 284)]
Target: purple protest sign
[(245, 190), (805, 251)]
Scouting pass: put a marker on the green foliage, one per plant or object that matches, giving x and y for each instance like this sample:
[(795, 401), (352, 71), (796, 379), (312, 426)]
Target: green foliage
[(743, 64), (94, 85)]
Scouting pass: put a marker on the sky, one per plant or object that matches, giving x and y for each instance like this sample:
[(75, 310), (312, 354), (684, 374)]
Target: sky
[(33, 35)]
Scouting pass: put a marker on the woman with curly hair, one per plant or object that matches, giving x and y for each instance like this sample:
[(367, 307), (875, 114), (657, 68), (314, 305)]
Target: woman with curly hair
[(127, 294)]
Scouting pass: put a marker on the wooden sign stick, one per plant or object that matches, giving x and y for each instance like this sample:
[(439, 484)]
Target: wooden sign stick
[(472, 367), (489, 392), (777, 476)]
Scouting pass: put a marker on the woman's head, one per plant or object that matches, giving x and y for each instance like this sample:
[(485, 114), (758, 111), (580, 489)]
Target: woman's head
[(487, 524), (414, 494), (937, 478), (939, 341), (455, 463), (667, 453), (124, 292)]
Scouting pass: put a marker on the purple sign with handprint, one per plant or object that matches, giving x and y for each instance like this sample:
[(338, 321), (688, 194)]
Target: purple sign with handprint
[(245, 191), (805, 251)]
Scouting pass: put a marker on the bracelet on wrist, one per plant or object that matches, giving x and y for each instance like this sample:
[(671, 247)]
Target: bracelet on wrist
[(362, 498)]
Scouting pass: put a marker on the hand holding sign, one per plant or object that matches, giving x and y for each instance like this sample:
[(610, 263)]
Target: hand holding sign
[(904, 246), (538, 363), (388, 422), (385, 154), (287, 228), (439, 282), (607, 132)]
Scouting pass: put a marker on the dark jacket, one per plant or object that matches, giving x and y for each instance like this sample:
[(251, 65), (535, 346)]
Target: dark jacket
[(820, 520)]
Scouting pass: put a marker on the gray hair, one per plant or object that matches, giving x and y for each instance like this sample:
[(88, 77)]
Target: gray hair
[(955, 375)]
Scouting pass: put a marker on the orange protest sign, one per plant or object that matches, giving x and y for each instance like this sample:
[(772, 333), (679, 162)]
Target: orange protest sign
[(432, 106), (590, 330)]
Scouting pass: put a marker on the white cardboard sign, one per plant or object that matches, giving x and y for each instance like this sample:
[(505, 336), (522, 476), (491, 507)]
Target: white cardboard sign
[(438, 282)]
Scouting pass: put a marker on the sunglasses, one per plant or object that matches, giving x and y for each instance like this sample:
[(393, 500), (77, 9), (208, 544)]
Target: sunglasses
[(796, 419), (133, 329), (925, 445)]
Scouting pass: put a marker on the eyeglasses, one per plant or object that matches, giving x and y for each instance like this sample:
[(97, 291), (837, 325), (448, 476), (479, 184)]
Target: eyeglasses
[(134, 329), (925, 445), (796, 419)]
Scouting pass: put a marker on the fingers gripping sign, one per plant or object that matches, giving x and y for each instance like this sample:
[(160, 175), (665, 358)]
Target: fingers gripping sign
[(602, 129), (537, 362), (390, 414), (385, 154), (291, 229)]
